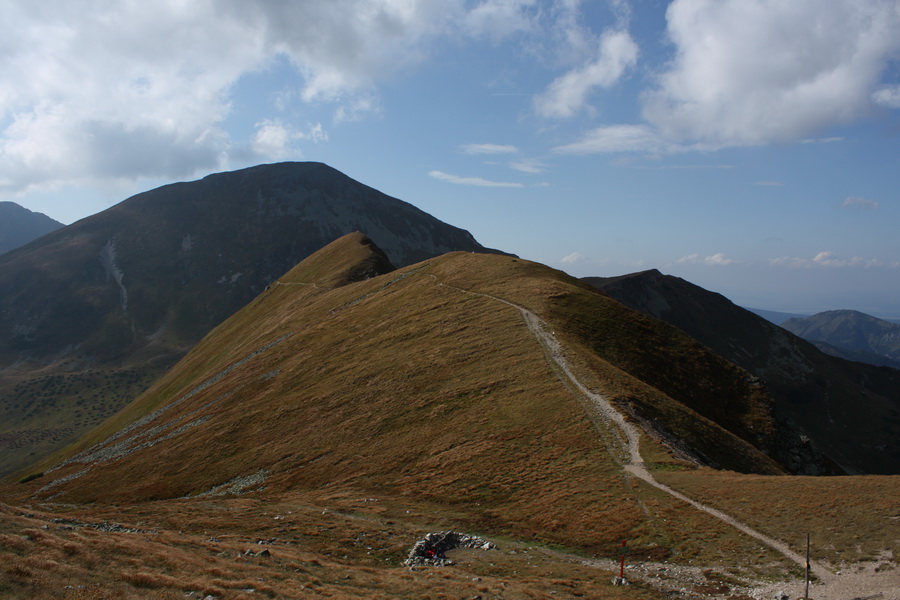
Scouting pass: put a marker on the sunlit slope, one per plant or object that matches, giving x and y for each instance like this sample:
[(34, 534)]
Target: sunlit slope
[(420, 383)]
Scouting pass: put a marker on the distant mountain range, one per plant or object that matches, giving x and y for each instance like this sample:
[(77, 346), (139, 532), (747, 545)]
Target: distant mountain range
[(852, 335), (18, 226), (820, 396), (775, 316), (94, 312)]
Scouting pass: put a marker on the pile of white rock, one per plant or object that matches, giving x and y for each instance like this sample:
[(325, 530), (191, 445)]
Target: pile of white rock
[(431, 550)]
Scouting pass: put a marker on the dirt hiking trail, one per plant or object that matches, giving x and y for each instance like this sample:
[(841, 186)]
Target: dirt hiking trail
[(843, 585)]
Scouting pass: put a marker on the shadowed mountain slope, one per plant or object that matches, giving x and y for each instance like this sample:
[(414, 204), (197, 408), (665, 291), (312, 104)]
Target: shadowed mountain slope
[(91, 313), (425, 384), (852, 335), (18, 226), (850, 411)]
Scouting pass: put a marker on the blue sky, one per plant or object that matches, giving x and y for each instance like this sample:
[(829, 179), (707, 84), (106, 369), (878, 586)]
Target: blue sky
[(748, 146)]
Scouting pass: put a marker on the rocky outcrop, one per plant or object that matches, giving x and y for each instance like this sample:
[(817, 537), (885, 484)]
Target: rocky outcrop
[(432, 549)]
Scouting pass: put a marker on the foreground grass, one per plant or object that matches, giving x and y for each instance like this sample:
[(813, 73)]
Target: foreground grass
[(376, 411), (347, 548), (849, 519)]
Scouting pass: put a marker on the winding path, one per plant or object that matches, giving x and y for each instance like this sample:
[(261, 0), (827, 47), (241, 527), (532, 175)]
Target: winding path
[(635, 466)]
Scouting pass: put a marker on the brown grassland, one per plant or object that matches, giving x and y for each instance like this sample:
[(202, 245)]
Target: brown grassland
[(375, 411), (351, 549)]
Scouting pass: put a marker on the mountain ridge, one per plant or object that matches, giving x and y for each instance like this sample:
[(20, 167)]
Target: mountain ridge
[(852, 335), (343, 414), (353, 313), (92, 313), (18, 226), (817, 396)]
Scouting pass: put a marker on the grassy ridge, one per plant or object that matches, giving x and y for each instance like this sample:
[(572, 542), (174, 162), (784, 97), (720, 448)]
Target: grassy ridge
[(402, 403), (399, 384)]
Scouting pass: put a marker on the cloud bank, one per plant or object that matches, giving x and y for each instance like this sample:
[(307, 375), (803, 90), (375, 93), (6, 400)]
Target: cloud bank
[(477, 181), (714, 260), (742, 73), (828, 259), (748, 72), (568, 94), (97, 90)]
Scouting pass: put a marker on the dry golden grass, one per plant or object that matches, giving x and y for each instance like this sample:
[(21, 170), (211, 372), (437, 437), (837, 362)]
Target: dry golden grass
[(849, 519), (382, 409), (315, 552), (474, 418)]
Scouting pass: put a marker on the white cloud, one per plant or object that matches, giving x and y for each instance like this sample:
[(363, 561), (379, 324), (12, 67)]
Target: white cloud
[(499, 18), (888, 97), (568, 94), (859, 202), (528, 165), (523, 165), (618, 138), (98, 90), (358, 107), (714, 260), (826, 140), (572, 258), (272, 140), (477, 181), (489, 149), (827, 259), (275, 141), (87, 92), (751, 72)]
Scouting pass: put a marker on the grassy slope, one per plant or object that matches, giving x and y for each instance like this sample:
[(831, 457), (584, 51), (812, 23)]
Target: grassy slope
[(441, 406), (462, 408), (47, 407), (849, 519), (397, 385), (342, 549)]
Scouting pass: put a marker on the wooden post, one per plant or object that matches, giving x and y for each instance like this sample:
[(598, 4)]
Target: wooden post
[(620, 580), (806, 592)]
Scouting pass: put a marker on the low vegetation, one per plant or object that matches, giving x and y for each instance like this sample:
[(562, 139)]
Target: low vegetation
[(344, 417), (288, 546), (45, 409)]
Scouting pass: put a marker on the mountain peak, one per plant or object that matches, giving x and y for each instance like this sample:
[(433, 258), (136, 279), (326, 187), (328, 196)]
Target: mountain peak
[(18, 226), (351, 258), (133, 287), (851, 334)]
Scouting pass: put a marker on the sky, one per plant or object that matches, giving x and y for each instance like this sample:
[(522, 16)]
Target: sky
[(751, 147)]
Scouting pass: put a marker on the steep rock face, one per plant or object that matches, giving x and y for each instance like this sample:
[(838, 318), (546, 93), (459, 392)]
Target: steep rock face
[(18, 226), (132, 288), (848, 412), (852, 335)]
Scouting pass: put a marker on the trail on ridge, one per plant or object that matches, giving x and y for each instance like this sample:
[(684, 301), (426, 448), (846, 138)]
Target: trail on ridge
[(635, 466)]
